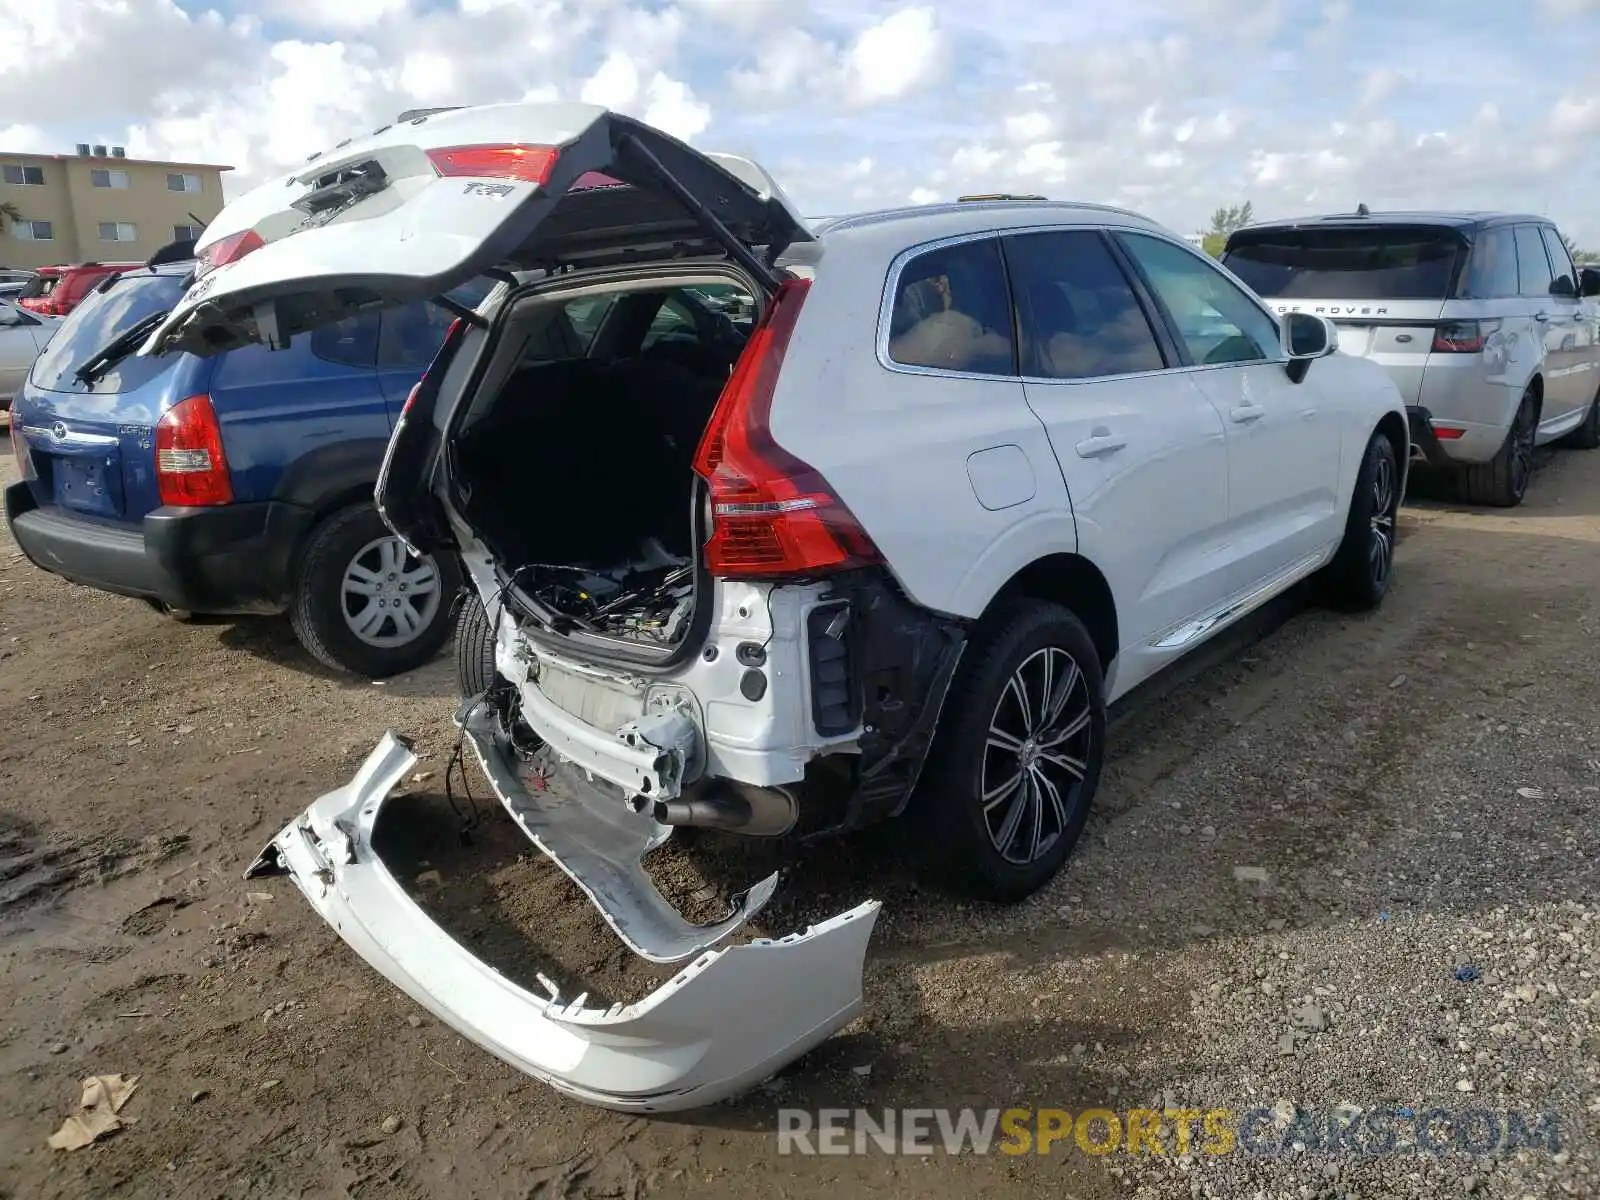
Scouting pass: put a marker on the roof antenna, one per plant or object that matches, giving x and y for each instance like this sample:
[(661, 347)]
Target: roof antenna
[(1363, 211)]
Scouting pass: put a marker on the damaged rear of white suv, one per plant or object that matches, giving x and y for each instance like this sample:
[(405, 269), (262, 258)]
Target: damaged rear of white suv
[(717, 583)]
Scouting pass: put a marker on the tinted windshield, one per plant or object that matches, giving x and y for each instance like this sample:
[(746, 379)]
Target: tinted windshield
[(1370, 263), (39, 285), (101, 317)]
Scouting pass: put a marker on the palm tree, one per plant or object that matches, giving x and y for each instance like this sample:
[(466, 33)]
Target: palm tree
[(8, 212)]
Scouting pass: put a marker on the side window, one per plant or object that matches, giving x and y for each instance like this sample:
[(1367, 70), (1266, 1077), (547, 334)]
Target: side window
[(1566, 275), (586, 314), (1533, 265), (1492, 269), (1079, 315), (672, 319), (1217, 321), (352, 341), (951, 311), (410, 336)]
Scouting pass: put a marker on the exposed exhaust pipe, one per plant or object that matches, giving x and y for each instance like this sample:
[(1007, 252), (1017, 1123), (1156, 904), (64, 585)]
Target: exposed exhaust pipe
[(734, 808)]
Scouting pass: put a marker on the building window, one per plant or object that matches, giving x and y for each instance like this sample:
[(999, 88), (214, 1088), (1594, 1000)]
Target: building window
[(109, 179), (33, 231), (182, 183), (118, 231), (187, 233), (33, 176)]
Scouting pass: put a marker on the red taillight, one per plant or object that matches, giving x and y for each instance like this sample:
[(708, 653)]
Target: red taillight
[(227, 250), (1462, 337), (530, 164), (771, 514), (190, 466), (450, 335)]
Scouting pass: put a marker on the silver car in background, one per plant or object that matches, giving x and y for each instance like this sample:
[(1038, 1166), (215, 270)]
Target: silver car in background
[(23, 335), (1485, 323)]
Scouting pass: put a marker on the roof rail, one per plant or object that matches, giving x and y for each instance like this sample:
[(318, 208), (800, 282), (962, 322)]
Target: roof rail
[(997, 196)]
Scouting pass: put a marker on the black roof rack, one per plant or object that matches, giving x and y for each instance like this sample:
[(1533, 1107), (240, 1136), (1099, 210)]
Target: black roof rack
[(997, 196)]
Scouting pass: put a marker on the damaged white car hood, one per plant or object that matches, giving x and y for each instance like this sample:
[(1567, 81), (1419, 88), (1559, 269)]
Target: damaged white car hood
[(731, 1018)]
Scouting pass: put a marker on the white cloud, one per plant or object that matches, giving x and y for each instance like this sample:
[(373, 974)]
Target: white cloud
[(900, 55), (896, 56), (1574, 117), (343, 15), (1170, 106), (25, 139)]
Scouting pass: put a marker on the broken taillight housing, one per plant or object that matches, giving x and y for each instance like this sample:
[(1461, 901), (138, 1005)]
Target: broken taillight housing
[(771, 514), (191, 468), (527, 164), (226, 250)]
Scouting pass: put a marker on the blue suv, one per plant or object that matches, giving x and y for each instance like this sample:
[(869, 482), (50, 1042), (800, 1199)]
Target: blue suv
[(240, 483)]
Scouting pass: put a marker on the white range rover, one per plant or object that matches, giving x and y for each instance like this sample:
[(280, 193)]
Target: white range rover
[(780, 528)]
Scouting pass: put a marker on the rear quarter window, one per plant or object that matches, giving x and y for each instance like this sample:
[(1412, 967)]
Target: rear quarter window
[(101, 317), (1370, 263), (952, 311)]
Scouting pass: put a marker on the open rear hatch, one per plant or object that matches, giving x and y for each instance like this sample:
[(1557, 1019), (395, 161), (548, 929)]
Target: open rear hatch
[(410, 212), (420, 207)]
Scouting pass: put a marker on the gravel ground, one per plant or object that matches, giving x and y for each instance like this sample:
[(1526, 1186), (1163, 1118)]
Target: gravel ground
[(1346, 873)]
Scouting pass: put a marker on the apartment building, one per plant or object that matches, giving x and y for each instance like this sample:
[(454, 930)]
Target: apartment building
[(99, 205)]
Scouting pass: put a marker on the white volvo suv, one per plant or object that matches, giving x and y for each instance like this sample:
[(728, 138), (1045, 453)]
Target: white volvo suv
[(780, 527)]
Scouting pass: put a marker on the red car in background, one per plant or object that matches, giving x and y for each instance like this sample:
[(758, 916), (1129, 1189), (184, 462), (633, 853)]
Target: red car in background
[(56, 291)]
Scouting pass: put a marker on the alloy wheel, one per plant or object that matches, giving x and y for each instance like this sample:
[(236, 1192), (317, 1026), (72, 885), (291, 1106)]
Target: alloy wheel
[(1522, 437), (389, 595), (1380, 551), (1036, 756)]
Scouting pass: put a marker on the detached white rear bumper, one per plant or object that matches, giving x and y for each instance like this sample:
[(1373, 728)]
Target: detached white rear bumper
[(728, 1020)]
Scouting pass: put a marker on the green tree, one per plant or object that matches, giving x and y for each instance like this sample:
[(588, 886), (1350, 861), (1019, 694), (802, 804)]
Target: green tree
[(1223, 222), (8, 213), (1580, 255)]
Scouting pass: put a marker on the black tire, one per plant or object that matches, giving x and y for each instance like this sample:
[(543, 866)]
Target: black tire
[(1503, 481), (967, 841), (475, 671), (1587, 435), (1358, 578), (318, 604)]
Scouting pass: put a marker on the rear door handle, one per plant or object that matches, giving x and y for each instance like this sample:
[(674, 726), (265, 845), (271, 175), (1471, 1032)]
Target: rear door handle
[(1245, 413), (1098, 443)]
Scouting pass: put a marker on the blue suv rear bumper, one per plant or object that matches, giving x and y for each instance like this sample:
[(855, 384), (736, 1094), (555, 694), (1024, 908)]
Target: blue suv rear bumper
[(227, 560)]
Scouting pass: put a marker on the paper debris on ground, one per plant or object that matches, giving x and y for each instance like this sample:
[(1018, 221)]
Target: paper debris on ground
[(102, 1099)]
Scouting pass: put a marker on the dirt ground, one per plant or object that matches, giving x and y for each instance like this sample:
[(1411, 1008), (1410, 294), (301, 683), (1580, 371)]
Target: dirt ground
[(1368, 766)]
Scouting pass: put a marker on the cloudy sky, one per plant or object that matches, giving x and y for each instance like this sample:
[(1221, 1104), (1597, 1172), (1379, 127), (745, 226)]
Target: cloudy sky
[(1172, 107)]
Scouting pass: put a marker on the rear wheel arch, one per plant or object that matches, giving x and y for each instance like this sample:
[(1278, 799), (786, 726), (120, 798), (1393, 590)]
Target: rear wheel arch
[(1393, 426), (1076, 584)]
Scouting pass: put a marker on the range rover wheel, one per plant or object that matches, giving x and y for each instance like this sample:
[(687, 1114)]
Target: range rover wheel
[(363, 603), (1358, 577), (1502, 482), (1017, 758)]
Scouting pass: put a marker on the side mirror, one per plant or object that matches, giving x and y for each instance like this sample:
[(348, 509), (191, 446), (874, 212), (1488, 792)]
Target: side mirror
[(1589, 281), (1562, 287), (1307, 337), (9, 316)]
